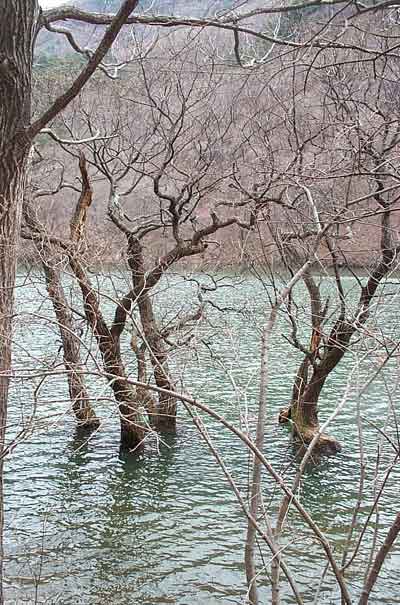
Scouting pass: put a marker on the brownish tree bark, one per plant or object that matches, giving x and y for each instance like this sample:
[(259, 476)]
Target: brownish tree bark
[(143, 281), (165, 413), (79, 396), (131, 416), (320, 361), (129, 404)]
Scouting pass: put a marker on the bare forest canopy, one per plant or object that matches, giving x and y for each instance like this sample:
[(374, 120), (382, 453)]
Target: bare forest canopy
[(50, 48), (260, 113)]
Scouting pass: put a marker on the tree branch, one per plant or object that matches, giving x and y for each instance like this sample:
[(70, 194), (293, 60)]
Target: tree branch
[(379, 560), (116, 23)]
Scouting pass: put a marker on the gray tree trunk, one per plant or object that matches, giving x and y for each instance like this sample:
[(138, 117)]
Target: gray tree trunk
[(18, 27)]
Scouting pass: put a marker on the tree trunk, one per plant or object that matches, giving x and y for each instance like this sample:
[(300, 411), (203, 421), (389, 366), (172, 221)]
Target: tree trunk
[(131, 416), (143, 394), (11, 192), (165, 414), (165, 418), (307, 390), (304, 408), (81, 406), (18, 25)]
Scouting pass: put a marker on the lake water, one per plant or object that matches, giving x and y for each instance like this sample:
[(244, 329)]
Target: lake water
[(87, 525)]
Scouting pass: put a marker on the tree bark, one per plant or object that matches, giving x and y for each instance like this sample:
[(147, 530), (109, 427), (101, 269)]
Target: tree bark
[(165, 417), (165, 413), (81, 406), (306, 393), (143, 394), (131, 417), (304, 406), (18, 27)]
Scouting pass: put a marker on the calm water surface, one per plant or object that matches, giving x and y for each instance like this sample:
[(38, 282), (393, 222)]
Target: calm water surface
[(87, 525)]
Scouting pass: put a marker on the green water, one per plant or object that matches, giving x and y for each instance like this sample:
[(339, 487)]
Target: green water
[(87, 525)]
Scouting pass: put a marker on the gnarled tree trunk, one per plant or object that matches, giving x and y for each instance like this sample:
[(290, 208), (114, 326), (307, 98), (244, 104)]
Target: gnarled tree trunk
[(12, 182), (165, 412), (81, 405), (131, 416), (318, 364), (309, 384)]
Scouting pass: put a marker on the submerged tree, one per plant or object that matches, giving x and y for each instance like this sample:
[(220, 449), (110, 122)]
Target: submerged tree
[(319, 175), (17, 133), (130, 400), (52, 263), (162, 174), (366, 120)]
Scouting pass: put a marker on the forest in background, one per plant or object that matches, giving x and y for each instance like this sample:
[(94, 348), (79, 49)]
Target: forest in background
[(251, 96)]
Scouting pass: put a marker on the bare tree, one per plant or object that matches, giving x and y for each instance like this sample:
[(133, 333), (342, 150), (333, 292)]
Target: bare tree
[(309, 152), (52, 263), (173, 154), (17, 135)]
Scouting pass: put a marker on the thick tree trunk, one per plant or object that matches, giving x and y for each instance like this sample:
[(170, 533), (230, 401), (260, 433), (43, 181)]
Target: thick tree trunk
[(11, 192), (304, 408), (18, 25), (307, 390), (131, 416), (81, 406), (129, 405)]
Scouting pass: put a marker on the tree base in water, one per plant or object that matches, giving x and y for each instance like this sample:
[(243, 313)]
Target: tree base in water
[(90, 424), (132, 439), (165, 424), (325, 446), (86, 418)]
